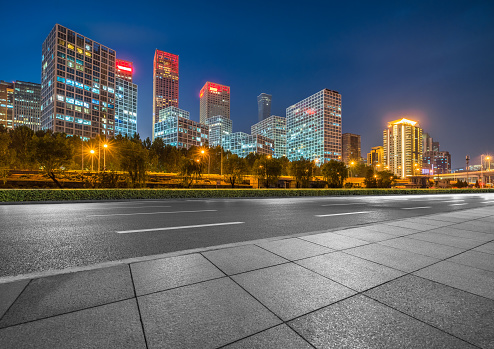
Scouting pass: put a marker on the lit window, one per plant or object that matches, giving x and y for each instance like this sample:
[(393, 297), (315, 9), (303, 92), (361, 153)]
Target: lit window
[(95, 101), (79, 50), (70, 46), (95, 90), (69, 82), (61, 42), (111, 90), (88, 54), (70, 100), (60, 98)]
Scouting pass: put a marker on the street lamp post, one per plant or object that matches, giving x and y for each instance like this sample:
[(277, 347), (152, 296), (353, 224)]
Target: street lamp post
[(104, 156), (209, 160), (92, 157), (482, 168)]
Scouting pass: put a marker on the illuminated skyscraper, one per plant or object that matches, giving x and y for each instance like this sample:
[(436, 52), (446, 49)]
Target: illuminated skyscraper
[(274, 128), (242, 144), (375, 158), (263, 106), (402, 145), (125, 99), (7, 104), (165, 82), (314, 127), (350, 145), (218, 126), (77, 85), (214, 100), (175, 128)]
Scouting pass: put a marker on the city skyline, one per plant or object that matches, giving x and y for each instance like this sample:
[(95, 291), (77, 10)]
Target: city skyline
[(415, 61)]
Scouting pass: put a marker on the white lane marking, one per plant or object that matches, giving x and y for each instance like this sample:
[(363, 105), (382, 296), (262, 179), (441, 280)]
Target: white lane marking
[(415, 208), (356, 203), (135, 206), (459, 204), (341, 214), (453, 201), (132, 214), (175, 228), (488, 202)]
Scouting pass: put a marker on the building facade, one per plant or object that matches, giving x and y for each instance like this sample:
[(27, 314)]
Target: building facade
[(20, 104), (350, 146), (375, 158), (242, 144), (263, 106), (214, 100), (165, 82), (219, 126), (314, 127), (402, 147), (125, 99), (77, 85), (176, 129), (273, 127)]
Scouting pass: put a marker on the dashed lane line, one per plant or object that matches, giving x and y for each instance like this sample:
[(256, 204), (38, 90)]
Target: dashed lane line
[(341, 214), (141, 213), (176, 228)]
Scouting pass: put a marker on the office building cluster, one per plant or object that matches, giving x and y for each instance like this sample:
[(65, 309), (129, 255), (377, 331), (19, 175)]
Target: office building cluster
[(86, 91)]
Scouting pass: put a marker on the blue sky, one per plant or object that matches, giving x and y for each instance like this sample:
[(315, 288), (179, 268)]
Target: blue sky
[(429, 60)]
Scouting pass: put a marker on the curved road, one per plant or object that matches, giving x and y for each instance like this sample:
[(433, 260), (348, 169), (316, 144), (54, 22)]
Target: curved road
[(38, 237)]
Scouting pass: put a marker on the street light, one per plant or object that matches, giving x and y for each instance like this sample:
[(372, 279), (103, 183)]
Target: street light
[(482, 169), (92, 157), (104, 156), (266, 169), (203, 152)]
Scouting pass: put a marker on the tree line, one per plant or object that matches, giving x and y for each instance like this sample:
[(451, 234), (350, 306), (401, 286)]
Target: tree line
[(53, 153)]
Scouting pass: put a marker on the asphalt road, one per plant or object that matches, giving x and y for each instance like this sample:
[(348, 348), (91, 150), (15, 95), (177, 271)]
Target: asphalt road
[(38, 237)]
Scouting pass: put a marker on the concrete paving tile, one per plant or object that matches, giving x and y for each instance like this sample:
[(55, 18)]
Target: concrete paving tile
[(334, 241), (390, 229), (289, 290), (459, 313), (360, 322), (482, 227), (444, 239), (423, 247), (447, 217), (115, 325), (293, 249), (466, 234), (243, 258), (9, 293), (392, 257), (279, 337), (60, 294), (474, 259), (205, 315), (166, 273), (486, 248), (426, 221), (365, 234), (489, 219), (476, 281), (354, 272), (411, 225)]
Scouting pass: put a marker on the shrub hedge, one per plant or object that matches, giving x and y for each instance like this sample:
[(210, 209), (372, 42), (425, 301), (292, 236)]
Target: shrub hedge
[(26, 195)]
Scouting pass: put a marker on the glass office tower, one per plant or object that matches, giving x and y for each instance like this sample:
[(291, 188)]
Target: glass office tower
[(274, 127)]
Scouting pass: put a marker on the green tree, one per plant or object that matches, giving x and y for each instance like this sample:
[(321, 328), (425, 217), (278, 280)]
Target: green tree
[(20, 140), (189, 169), (302, 171), (370, 180), (51, 152), (133, 159), (5, 154), (385, 179), (335, 173), (234, 168)]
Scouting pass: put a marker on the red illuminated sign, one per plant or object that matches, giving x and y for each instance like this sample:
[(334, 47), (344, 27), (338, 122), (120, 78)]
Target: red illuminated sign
[(120, 67), (124, 66)]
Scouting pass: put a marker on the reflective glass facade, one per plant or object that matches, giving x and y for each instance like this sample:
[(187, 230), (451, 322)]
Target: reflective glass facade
[(214, 100), (264, 106), (175, 128), (218, 126), (314, 127), (20, 104), (77, 85), (274, 127), (242, 144)]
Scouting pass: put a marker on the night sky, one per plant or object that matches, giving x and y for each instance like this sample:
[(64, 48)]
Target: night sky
[(432, 61)]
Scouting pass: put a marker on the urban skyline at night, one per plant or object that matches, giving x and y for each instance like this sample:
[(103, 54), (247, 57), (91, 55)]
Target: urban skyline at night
[(434, 68)]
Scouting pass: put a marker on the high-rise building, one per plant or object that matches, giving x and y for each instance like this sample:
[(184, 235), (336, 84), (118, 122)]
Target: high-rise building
[(273, 127), (428, 143), (264, 106), (214, 100), (77, 85), (176, 129), (314, 127), (375, 158), (242, 144), (219, 126), (20, 104), (435, 163), (350, 145), (402, 144), (125, 99), (165, 82)]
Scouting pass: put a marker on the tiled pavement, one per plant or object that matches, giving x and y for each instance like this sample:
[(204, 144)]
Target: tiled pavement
[(423, 282)]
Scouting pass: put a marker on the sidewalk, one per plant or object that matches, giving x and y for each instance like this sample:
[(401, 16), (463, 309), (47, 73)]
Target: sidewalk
[(423, 282)]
